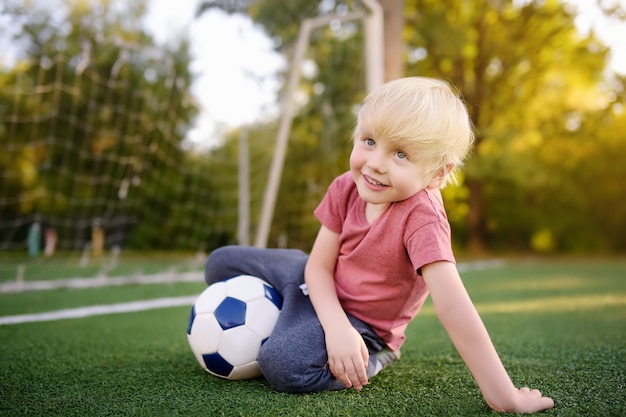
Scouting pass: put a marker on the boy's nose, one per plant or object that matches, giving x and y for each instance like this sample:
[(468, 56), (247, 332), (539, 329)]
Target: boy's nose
[(376, 161)]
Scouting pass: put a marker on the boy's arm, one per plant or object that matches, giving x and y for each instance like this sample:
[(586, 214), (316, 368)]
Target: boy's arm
[(459, 317), (347, 353)]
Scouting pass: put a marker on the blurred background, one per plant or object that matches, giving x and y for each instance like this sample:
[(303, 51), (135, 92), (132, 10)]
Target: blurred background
[(134, 126)]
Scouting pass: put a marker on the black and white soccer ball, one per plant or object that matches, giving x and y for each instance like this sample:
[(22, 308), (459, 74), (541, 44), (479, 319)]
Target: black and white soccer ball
[(229, 322)]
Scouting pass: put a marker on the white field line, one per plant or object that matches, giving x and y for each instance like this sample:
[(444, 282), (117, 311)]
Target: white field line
[(82, 312), (101, 281), (97, 310)]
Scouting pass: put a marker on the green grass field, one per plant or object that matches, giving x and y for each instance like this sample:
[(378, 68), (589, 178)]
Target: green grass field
[(559, 326)]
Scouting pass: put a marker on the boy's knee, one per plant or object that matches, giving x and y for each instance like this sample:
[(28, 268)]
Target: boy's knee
[(294, 375), (281, 371), (275, 371), (215, 268)]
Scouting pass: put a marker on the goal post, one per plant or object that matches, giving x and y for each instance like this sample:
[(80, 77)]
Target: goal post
[(373, 26)]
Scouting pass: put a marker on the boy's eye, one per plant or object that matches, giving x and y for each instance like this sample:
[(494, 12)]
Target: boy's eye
[(369, 142), (402, 155)]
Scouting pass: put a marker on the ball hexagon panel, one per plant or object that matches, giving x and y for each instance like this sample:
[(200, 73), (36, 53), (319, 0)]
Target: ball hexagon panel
[(248, 371), (205, 335), (240, 345), (261, 316), (245, 287)]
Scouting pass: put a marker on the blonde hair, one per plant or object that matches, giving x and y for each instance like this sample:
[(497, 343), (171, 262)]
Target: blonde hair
[(425, 117)]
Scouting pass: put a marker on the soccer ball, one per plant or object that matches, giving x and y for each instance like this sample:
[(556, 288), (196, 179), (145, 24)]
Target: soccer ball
[(229, 322)]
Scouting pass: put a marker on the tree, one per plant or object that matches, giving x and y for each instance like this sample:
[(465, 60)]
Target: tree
[(521, 69)]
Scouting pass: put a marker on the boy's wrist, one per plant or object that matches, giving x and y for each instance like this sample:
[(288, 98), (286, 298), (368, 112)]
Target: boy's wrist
[(337, 323)]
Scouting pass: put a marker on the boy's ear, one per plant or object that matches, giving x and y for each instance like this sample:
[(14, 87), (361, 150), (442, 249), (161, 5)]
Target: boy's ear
[(439, 177)]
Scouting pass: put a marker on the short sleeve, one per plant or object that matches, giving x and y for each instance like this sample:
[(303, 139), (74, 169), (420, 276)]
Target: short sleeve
[(430, 243), (332, 210)]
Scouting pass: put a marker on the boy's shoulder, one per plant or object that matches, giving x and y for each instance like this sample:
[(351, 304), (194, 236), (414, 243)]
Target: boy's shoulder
[(343, 187), (424, 207)]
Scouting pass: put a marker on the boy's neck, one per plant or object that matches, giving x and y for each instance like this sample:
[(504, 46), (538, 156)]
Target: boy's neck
[(373, 211)]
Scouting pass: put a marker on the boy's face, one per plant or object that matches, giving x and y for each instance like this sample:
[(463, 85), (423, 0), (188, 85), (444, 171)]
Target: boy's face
[(384, 173)]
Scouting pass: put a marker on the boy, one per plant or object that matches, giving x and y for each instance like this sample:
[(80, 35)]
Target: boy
[(383, 246)]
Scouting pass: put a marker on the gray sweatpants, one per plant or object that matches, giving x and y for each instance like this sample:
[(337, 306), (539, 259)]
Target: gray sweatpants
[(294, 358)]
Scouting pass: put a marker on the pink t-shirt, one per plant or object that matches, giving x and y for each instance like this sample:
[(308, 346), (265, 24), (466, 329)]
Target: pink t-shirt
[(377, 273)]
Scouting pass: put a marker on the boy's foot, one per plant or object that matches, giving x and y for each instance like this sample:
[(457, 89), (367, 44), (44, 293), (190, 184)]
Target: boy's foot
[(380, 360)]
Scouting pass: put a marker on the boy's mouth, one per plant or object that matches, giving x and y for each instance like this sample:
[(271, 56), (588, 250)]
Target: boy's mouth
[(373, 181)]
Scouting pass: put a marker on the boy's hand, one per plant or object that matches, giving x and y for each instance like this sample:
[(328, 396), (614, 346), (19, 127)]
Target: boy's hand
[(347, 356), (529, 401)]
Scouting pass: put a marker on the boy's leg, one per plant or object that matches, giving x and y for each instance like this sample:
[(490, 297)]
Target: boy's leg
[(294, 358), (278, 267)]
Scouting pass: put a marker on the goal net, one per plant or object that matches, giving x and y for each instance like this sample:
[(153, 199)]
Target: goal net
[(94, 154)]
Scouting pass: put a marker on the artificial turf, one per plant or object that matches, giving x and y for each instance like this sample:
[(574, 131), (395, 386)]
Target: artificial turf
[(559, 326)]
